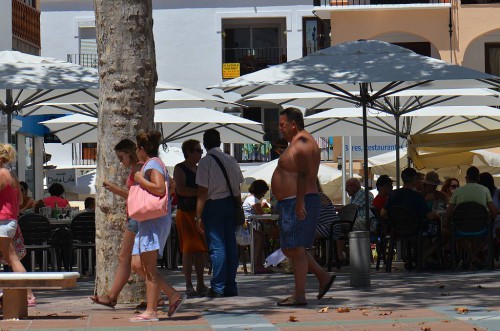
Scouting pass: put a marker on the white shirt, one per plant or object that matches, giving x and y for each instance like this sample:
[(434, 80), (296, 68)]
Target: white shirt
[(248, 204), (210, 175)]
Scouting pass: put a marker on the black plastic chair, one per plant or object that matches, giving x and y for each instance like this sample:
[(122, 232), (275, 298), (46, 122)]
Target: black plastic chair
[(346, 218), (83, 232), (471, 220), (36, 231), (406, 226)]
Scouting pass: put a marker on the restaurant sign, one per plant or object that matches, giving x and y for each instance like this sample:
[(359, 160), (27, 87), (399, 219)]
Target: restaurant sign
[(230, 70), (65, 177)]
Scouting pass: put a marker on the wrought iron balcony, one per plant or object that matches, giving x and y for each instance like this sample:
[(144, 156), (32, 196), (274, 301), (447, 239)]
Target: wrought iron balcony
[(253, 59), (318, 3), (86, 60)]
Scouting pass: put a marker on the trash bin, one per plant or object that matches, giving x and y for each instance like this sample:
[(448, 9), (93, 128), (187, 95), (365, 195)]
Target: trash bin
[(359, 258)]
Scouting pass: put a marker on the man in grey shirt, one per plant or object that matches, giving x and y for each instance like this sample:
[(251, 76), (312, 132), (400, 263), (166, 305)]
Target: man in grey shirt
[(215, 208)]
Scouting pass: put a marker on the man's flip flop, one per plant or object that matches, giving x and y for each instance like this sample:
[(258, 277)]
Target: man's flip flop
[(109, 303), (173, 308), (326, 288), (291, 302), (142, 318)]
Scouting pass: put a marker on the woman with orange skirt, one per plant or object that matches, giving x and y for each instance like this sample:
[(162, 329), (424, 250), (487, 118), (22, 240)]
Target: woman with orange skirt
[(191, 240)]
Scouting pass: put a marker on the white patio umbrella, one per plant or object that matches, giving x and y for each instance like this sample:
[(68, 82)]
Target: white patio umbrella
[(173, 97), (409, 100), (453, 165), (28, 80), (329, 178), (371, 66), (443, 119), (85, 184), (176, 125), (180, 124)]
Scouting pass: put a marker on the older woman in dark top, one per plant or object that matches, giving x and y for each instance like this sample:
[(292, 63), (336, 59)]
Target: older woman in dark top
[(192, 241)]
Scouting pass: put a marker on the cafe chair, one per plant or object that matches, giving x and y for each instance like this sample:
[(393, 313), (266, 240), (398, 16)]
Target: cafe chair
[(346, 218), (83, 232), (405, 226), (471, 220), (36, 231), (381, 236)]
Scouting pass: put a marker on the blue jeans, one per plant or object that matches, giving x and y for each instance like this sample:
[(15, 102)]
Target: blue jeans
[(218, 219)]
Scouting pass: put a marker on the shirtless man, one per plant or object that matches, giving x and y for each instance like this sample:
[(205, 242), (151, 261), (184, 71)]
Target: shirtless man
[(294, 186)]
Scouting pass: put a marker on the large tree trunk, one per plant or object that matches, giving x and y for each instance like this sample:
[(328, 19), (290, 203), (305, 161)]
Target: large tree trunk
[(127, 70)]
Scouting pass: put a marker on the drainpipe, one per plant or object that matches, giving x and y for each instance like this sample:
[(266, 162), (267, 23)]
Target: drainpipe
[(450, 31)]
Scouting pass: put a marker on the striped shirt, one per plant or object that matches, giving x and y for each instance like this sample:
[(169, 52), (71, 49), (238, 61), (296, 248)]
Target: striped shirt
[(210, 175), (327, 216)]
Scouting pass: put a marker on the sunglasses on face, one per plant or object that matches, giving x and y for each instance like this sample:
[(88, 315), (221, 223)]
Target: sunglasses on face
[(198, 150)]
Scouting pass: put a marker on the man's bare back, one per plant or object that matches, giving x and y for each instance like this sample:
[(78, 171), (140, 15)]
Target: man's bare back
[(301, 157)]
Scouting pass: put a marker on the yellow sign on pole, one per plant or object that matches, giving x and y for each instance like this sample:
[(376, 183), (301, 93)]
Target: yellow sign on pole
[(230, 70)]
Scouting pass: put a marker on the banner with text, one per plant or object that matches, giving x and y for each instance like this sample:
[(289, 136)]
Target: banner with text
[(376, 146)]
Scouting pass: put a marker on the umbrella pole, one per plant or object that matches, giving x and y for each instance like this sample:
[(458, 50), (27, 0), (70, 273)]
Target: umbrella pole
[(364, 100), (8, 111)]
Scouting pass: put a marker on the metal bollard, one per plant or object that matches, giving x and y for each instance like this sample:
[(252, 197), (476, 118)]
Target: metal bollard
[(359, 256)]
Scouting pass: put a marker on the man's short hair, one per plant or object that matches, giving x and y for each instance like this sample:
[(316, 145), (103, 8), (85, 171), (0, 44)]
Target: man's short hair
[(89, 203), (383, 180), (294, 114), (408, 175), (211, 139), (472, 174)]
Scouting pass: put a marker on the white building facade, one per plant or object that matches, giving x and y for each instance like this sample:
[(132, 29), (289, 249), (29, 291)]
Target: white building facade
[(193, 40)]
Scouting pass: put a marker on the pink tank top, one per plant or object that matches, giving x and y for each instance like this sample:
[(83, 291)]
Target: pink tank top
[(130, 179), (9, 206)]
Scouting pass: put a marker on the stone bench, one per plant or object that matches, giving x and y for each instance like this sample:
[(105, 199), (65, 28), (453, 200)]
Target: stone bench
[(16, 284)]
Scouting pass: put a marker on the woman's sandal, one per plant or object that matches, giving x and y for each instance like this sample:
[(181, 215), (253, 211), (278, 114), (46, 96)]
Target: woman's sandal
[(291, 302), (173, 308), (143, 318), (101, 301), (32, 302)]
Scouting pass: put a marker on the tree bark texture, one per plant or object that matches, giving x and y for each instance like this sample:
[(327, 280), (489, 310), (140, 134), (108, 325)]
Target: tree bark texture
[(127, 70)]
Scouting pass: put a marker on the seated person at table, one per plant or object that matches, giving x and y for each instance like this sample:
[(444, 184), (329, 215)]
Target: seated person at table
[(56, 190), (27, 202), (384, 188), (471, 192), (89, 204), (357, 194), (253, 206), (450, 185), (407, 196), (327, 216), (437, 201)]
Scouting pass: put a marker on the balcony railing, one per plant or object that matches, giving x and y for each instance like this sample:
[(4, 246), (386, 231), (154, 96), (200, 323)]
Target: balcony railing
[(479, 2), (86, 60), (26, 23), (253, 59), (86, 162), (379, 2)]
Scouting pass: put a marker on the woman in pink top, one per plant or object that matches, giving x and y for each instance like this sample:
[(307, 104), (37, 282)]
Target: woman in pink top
[(125, 151), (56, 190), (10, 195)]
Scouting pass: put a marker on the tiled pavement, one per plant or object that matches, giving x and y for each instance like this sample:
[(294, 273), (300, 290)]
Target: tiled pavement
[(396, 301)]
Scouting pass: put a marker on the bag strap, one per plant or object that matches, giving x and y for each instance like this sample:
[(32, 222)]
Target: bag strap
[(219, 162)]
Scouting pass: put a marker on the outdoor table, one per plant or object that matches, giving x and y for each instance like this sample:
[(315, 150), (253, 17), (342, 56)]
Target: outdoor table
[(57, 222), (254, 219)]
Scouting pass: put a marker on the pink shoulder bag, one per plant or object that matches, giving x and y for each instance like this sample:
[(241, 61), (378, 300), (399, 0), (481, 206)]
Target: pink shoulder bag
[(142, 205)]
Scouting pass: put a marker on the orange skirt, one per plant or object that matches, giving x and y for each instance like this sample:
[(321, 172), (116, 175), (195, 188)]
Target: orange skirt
[(190, 239)]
